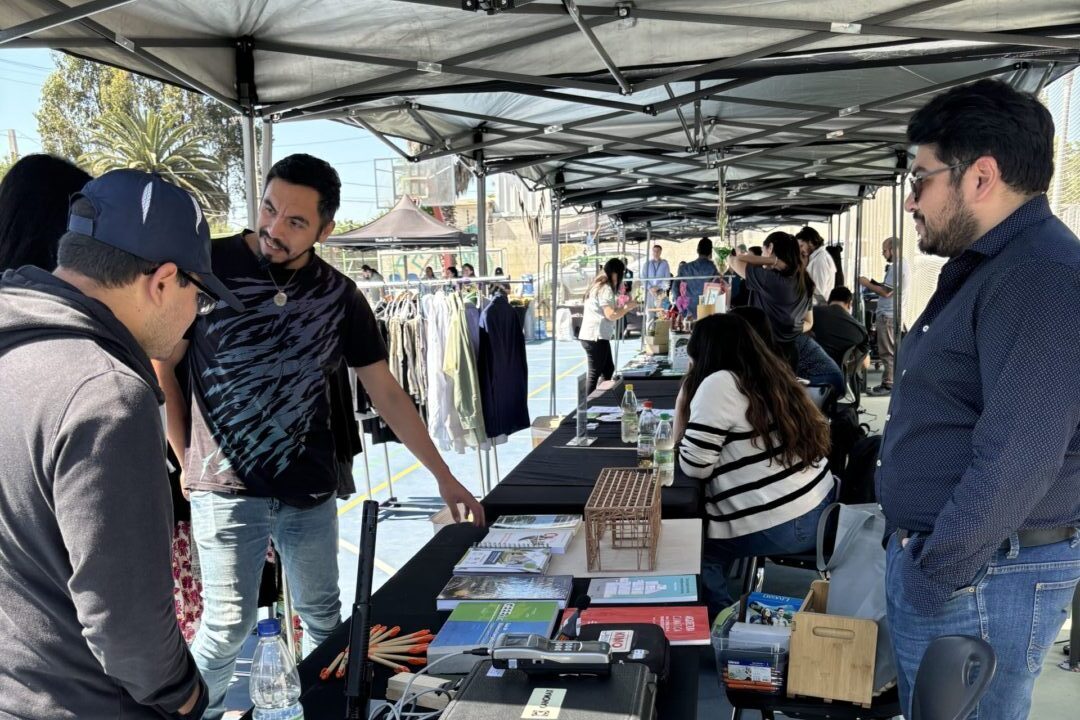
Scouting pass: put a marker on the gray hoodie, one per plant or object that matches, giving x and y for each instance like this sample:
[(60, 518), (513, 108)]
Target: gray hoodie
[(87, 625)]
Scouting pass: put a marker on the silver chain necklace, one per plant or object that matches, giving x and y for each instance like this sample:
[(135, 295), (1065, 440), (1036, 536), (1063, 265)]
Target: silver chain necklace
[(280, 297)]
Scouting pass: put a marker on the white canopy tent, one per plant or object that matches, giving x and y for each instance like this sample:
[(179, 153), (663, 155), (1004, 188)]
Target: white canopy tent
[(659, 113)]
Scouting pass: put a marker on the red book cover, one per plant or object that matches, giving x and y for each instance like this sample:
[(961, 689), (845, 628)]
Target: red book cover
[(683, 625)]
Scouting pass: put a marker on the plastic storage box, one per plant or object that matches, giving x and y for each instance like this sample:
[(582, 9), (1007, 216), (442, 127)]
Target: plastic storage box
[(749, 669)]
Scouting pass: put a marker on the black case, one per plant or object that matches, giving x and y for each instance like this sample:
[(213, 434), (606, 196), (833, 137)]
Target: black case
[(648, 645), (629, 693)]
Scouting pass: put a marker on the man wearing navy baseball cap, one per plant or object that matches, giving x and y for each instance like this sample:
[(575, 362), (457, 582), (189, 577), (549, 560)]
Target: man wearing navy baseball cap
[(88, 628)]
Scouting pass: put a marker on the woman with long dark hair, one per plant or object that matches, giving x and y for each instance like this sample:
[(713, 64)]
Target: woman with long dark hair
[(34, 198), (598, 321), (751, 433), (781, 287)]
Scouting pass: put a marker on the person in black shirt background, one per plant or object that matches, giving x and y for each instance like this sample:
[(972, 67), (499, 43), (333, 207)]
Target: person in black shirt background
[(835, 330)]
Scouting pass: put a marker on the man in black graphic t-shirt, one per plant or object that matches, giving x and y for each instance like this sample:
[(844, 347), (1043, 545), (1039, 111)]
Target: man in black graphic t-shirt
[(259, 452)]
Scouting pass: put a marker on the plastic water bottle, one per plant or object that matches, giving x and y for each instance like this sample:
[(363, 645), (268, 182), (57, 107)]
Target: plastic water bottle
[(629, 415), (646, 444), (664, 456), (275, 684)]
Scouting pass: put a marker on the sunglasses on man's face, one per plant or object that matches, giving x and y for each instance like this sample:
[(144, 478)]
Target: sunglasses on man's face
[(916, 181)]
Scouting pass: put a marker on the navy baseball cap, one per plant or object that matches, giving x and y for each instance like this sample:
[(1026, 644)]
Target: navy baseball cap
[(142, 214)]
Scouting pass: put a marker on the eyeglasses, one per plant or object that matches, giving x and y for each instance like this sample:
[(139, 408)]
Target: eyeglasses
[(916, 181), (204, 301)]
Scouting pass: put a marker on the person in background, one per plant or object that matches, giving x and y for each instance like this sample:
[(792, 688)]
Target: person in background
[(656, 274), (598, 321), (699, 272), (429, 273), (814, 365), (504, 288), (756, 250), (749, 431), (819, 263), (257, 430), (450, 273), (468, 271), (835, 330), (836, 252), (884, 317), (979, 471), (88, 628), (370, 274), (34, 196), (781, 287)]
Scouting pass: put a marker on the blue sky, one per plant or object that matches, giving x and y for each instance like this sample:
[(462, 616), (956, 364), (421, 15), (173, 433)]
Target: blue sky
[(350, 150)]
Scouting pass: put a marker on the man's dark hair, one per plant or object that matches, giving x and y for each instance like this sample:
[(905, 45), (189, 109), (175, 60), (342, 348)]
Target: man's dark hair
[(453, 271), (106, 265), (704, 247), (34, 199), (755, 250), (810, 235), (365, 267), (310, 171), (841, 295), (990, 118), (657, 247)]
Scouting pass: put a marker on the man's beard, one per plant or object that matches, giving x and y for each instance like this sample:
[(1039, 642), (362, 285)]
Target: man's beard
[(957, 231)]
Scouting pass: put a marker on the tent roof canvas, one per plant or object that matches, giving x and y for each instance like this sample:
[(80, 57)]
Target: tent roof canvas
[(404, 226)]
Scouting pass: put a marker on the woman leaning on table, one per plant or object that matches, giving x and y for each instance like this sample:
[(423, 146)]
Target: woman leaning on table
[(598, 321), (749, 431)]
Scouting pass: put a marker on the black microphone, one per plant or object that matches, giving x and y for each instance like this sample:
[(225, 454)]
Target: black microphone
[(569, 628)]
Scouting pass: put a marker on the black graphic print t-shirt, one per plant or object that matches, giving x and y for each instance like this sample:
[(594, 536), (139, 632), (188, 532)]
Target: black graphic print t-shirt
[(261, 379)]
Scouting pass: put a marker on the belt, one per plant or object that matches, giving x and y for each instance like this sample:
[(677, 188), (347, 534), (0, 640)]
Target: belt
[(1035, 537)]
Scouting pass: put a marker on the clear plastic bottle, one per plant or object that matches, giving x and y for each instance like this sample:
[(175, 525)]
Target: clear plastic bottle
[(664, 456), (646, 443), (629, 415), (275, 683)]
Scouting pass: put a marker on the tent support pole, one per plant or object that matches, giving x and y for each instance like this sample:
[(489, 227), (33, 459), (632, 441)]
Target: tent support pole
[(898, 233), (556, 202), (620, 326), (267, 150), (364, 452), (389, 477), (481, 216), (859, 307), (59, 18), (247, 126)]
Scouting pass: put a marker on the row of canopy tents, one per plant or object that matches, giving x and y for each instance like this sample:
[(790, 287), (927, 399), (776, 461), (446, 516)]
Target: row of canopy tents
[(661, 114)]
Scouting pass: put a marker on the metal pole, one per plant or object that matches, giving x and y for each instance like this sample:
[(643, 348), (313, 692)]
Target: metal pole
[(481, 223), (898, 260), (498, 473), (247, 126), (620, 326), (389, 476), (364, 452), (556, 203), (483, 477), (859, 307), (267, 151)]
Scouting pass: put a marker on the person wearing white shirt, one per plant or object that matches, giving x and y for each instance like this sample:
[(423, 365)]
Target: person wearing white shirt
[(819, 264), (598, 320), (657, 274)]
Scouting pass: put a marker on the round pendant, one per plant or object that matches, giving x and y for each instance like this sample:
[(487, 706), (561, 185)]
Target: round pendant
[(280, 299)]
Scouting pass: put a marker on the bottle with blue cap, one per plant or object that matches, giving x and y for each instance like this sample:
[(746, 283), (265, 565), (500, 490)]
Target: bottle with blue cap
[(275, 683)]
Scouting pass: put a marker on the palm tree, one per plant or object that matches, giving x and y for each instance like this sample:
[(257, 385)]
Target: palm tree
[(158, 143)]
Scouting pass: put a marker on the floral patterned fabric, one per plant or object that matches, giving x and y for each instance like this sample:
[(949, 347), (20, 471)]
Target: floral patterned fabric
[(187, 581)]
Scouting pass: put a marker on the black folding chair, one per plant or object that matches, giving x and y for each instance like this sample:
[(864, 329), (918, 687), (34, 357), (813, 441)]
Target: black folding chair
[(954, 674)]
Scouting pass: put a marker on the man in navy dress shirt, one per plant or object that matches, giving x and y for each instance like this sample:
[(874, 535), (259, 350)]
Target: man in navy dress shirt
[(979, 473)]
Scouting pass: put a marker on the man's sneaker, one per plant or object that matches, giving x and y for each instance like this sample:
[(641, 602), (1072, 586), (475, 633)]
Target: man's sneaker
[(880, 390)]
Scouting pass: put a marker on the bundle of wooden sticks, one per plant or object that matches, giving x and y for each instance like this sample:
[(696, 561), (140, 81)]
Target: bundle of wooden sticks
[(388, 647)]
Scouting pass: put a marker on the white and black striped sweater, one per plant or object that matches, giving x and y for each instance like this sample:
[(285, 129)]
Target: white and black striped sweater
[(748, 489)]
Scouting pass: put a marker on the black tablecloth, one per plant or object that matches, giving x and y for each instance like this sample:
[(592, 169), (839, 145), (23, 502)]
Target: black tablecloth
[(555, 478), (408, 599)]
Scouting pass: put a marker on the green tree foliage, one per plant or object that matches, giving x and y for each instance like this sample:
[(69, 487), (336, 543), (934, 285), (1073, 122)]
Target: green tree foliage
[(80, 92), (157, 142)]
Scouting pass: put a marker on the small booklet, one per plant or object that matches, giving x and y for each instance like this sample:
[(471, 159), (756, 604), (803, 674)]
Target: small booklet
[(683, 625), (489, 560), (766, 609), (554, 540), (655, 589), (538, 522), (491, 588)]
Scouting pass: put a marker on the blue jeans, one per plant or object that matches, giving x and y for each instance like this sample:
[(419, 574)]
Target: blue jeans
[(233, 534), (719, 556), (1017, 602)]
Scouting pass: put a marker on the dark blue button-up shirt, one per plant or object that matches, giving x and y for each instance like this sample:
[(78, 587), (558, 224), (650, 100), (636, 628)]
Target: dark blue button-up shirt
[(981, 439)]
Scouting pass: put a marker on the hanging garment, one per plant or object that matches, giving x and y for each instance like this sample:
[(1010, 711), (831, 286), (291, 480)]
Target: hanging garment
[(460, 366), (444, 425), (503, 369)]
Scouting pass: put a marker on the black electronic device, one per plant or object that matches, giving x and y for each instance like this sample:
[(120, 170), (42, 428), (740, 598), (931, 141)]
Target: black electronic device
[(489, 693), (643, 643), (536, 655)]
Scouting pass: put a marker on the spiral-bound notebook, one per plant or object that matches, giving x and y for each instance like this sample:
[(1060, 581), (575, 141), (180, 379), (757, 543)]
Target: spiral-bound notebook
[(555, 540), (494, 560)]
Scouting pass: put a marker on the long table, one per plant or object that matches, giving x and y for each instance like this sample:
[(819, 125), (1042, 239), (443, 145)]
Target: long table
[(556, 478), (408, 600)]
